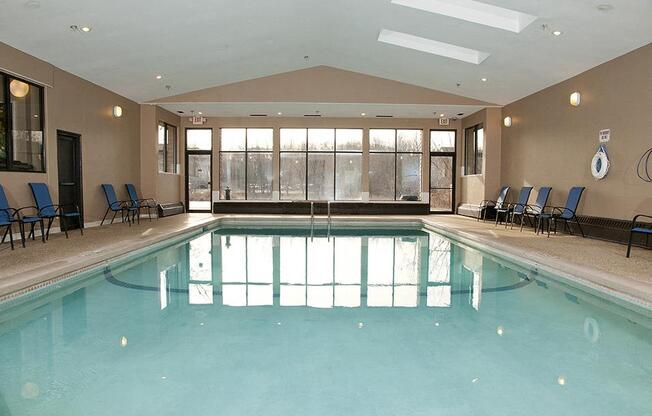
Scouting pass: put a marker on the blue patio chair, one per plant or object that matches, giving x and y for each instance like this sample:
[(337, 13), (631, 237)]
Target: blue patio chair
[(139, 203), (487, 204), (517, 208), (566, 213), (639, 227), (532, 212), (114, 205), (8, 216), (50, 211)]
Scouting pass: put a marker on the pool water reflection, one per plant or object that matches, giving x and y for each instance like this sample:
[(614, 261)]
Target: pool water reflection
[(275, 322)]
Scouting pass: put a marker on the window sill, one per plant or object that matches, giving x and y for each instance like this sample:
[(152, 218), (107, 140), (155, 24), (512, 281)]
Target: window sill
[(471, 176), (169, 173), (22, 171)]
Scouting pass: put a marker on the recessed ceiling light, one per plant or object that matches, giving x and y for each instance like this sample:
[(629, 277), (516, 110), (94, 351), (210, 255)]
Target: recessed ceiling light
[(442, 115), (279, 113), (605, 7), (363, 114), (200, 113), (432, 46), (475, 12), (483, 79), (85, 29), (159, 77), (557, 32), (32, 4)]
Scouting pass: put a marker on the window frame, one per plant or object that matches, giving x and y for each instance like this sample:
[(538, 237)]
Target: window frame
[(175, 161), (476, 172), (246, 152), (9, 145), (396, 152), (306, 152)]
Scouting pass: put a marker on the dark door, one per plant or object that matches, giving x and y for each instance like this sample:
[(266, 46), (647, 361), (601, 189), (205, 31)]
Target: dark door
[(442, 171), (70, 173), (199, 156)]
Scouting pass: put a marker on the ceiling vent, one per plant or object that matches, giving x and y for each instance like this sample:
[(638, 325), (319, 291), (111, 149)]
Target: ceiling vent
[(312, 115), (257, 115), (383, 116)]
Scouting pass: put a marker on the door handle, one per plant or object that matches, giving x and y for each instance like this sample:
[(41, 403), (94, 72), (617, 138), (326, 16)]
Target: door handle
[(67, 183)]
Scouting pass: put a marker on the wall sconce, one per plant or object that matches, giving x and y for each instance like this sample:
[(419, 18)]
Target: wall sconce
[(575, 99), (18, 89), (507, 122), (117, 111)]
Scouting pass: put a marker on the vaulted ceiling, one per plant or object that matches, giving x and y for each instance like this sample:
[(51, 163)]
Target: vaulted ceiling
[(204, 43)]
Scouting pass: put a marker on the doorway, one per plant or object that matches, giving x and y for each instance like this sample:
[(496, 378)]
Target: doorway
[(70, 172), (442, 171), (199, 157)]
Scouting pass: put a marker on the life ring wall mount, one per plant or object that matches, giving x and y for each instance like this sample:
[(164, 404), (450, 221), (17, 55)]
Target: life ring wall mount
[(600, 163)]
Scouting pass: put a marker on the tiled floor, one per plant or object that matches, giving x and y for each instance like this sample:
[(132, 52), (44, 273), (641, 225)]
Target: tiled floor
[(599, 262)]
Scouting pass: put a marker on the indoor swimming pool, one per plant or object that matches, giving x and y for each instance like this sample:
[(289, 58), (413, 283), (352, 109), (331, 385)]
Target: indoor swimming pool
[(256, 321)]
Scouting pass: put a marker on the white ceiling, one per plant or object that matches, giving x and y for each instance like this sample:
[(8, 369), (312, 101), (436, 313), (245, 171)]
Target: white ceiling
[(203, 43), (324, 109)]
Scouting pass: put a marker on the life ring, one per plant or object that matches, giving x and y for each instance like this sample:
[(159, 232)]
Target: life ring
[(600, 163)]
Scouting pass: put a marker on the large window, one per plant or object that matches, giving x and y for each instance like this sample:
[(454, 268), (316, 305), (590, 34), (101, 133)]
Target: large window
[(473, 150), (246, 165), (21, 125), (167, 148), (395, 164), (321, 164)]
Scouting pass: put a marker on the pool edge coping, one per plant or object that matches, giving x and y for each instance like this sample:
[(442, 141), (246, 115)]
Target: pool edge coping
[(608, 284)]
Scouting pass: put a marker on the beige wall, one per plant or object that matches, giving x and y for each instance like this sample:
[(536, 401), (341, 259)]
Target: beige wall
[(216, 123), (552, 143), (322, 84), (110, 146), (475, 188)]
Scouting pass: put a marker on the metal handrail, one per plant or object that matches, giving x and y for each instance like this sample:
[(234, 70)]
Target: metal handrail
[(312, 219), (328, 205)]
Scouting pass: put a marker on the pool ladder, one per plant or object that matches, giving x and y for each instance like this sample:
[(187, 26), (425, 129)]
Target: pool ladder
[(312, 219)]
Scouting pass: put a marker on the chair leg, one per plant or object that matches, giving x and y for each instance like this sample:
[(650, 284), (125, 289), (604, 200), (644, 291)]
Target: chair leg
[(629, 244), (579, 226), (11, 236), (63, 225), (149, 213), (81, 225), (105, 214), (50, 221), (43, 232), (21, 228)]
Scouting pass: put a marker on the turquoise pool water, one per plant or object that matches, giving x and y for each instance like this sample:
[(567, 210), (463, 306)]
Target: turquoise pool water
[(271, 322)]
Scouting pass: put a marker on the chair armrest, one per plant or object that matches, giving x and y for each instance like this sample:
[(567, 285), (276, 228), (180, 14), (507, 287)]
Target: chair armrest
[(634, 221), (560, 211), (485, 203), (70, 205), (28, 207), (9, 212)]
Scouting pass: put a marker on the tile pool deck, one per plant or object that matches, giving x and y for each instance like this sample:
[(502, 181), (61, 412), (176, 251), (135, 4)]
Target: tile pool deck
[(593, 261)]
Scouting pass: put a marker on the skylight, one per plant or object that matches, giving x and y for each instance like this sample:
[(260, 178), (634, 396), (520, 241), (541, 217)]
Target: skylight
[(432, 46), (474, 11)]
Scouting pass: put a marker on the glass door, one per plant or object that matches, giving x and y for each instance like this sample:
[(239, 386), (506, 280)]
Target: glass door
[(199, 144), (442, 171)]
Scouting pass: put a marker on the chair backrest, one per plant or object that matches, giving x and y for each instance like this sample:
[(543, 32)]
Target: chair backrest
[(572, 202), (542, 198), (111, 199), (523, 197), (502, 196), (131, 190), (43, 200), (5, 215)]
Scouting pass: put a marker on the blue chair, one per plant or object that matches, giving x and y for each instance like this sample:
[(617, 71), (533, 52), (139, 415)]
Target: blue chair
[(518, 208), (487, 204), (639, 228), (114, 205), (8, 216), (50, 211), (566, 213), (139, 203), (532, 212)]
